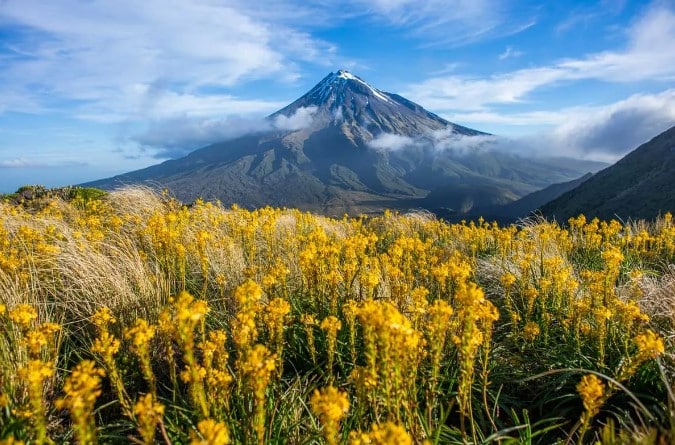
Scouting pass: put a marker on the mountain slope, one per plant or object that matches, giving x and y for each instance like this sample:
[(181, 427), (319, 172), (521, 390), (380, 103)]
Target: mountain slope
[(523, 207), (640, 185), (346, 146)]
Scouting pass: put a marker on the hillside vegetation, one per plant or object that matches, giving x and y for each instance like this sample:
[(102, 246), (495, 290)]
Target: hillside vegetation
[(640, 185), (130, 318)]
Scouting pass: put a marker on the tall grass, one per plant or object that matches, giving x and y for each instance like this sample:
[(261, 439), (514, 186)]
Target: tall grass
[(130, 317)]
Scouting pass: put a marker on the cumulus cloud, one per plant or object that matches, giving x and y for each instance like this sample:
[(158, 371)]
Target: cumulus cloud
[(302, 118)]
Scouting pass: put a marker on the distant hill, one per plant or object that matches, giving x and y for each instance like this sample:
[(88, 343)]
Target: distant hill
[(348, 147), (640, 185), (525, 206)]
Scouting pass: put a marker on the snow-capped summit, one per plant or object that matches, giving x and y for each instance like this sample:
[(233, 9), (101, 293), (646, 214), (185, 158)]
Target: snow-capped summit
[(342, 98), (337, 87), (334, 81)]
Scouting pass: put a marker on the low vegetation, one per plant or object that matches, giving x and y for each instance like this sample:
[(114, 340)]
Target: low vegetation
[(130, 318)]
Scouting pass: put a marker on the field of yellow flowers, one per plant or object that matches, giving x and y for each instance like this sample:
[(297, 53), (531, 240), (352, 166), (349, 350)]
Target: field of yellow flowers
[(130, 318)]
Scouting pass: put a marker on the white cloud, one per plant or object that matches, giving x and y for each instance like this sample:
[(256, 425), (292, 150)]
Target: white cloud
[(301, 119), (614, 130), (604, 133), (17, 163), (338, 115), (101, 57), (648, 55), (470, 20), (525, 119), (441, 141), (178, 135), (510, 53), (461, 144), (391, 142), (463, 93)]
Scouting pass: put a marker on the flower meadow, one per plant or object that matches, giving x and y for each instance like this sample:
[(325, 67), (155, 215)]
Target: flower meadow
[(131, 318)]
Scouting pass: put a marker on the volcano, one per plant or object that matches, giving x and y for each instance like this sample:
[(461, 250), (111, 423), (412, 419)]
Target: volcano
[(348, 147)]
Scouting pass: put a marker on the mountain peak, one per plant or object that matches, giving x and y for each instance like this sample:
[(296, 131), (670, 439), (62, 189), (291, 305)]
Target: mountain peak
[(345, 74), (345, 100), (342, 85)]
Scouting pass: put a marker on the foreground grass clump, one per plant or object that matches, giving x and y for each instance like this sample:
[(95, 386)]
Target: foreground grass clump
[(131, 318)]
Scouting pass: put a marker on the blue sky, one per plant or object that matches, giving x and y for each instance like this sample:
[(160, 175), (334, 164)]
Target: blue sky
[(92, 88)]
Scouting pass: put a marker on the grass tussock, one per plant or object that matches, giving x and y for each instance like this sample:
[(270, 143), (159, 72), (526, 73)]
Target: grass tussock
[(128, 317)]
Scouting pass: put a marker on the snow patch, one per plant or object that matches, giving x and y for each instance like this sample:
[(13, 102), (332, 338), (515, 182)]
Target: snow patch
[(342, 74), (326, 88)]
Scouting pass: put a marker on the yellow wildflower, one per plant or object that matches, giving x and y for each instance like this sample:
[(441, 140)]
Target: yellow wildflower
[(388, 433), (140, 334), (258, 367), (82, 388), (103, 317), (245, 331), (531, 331), (212, 433), (331, 325), (591, 390), (23, 315), (508, 280), (106, 345), (331, 406), (248, 291), (650, 345), (149, 414)]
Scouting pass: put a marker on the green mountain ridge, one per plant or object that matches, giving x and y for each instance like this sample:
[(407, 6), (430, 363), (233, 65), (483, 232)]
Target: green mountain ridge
[(639, 186)]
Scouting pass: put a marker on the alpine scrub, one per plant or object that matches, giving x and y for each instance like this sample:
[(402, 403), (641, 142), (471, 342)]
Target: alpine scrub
[(131, 317)]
